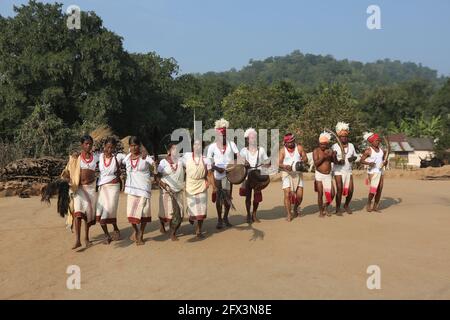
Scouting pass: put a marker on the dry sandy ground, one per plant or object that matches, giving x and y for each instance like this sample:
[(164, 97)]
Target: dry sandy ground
[(308, 258)]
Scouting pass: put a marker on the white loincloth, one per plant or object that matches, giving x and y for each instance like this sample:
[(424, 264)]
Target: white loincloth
[(346, 177), (326, 181)]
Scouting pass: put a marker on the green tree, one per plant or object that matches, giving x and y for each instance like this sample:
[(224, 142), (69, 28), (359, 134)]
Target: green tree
[(267, 107), (328, 105)]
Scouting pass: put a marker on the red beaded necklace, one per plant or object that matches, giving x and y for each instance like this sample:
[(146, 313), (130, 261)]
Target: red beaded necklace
[(83, 156), (134, 166), (224, 148), (104, 161)]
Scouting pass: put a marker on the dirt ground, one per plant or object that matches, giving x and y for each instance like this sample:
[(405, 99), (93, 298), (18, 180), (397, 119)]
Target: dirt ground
[(308, 258)]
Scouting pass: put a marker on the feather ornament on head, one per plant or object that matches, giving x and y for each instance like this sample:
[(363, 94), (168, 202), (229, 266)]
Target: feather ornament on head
[(249, 131), (221, 123), (342, 128), (324, 137)]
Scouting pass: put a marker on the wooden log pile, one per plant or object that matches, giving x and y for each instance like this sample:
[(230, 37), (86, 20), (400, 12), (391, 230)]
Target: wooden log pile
[(28, 169), (26, 177)]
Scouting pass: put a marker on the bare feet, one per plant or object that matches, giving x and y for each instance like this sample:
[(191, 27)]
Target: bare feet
[(162, 229), (289, 218), (200, 235), (140, 239), (348, 210), (107, 240), (376, 207), (339, 212), (368, 208), (227, 223), (327, 211), (116, 235), (133, 237), (295, 211), (77, 245), (249, 219), (255, 219), (173, 237), (87, 243)]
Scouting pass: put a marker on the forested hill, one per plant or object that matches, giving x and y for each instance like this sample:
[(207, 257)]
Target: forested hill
[(309, 70)]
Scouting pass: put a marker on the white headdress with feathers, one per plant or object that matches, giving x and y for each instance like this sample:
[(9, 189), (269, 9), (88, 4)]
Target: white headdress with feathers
[(325, 135), (342, 126), (221, 123), (248, 132)]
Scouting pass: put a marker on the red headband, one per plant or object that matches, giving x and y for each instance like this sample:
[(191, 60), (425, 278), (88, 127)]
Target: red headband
[(373, 138), (222, 131), (288, 138)]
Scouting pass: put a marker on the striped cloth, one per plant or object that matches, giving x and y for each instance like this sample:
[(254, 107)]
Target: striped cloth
[(166, 209), (197, 205), (107, 203), (138, 209)]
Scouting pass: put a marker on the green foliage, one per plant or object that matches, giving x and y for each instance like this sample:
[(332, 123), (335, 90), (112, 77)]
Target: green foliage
[(309, 71), (56, 84), (420, 127), (327, 106), (43, 133), (267, 107)]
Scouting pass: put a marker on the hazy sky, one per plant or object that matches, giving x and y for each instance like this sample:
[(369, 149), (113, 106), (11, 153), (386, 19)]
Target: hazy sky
[(213, 35)]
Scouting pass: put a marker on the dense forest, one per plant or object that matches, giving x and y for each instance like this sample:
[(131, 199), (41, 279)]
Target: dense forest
[(56, 84)]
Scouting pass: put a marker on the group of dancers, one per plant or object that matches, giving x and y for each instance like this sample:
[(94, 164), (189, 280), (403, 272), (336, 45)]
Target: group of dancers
[(184, 180)]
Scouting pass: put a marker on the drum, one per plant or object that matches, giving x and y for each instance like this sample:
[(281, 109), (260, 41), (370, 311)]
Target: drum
[(236, 173), (257, 180), (299, 167)]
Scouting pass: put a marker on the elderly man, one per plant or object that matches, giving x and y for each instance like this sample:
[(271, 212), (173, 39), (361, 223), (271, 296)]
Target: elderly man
[(323, 184), (221, 153), (342, 168)]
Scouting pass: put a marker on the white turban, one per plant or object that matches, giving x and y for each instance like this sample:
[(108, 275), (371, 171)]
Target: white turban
[(342, 126), (221, 123), (324, 137), (248, 132)]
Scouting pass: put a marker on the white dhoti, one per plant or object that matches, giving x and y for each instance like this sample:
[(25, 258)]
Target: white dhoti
[(373, 181), (197, 205), (292, 180), (166, 208), (84, 202), (138, 209), (346, 177), (107, 203), (326, 181)]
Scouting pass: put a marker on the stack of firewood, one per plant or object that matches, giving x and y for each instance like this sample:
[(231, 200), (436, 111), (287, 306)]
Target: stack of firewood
[(26, 177), (40, 169)]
